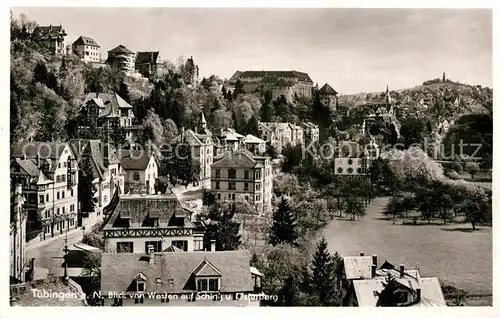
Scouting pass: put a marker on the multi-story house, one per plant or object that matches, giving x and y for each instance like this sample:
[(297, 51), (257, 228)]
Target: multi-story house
[(243, 176), (141, 170), (254, 144), (146, 63), (202, 148), (17, 235), (87, 49), (227, 140), (215, 278), (350, 161), (281, 135), (328, 96), (122, 59), (362, 282), (288, 84), (48, 172), (311, 132), (52, 37), (102, 114), (136, 222), (107, 172)]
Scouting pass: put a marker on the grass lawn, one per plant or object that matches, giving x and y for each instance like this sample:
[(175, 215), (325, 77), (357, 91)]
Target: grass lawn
[(450, 252)]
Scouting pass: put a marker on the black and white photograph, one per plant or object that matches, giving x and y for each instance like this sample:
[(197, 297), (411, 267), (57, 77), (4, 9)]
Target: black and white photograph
[(250, 157)]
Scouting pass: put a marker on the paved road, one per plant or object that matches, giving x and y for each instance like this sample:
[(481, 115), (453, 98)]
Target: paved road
[(44, 255)]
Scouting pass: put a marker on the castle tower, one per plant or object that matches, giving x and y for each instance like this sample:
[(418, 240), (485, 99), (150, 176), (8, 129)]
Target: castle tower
[(444, 76)]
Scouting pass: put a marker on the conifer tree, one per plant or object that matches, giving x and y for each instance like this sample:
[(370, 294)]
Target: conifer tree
[(283, 229), (387, 297), (323, 280)]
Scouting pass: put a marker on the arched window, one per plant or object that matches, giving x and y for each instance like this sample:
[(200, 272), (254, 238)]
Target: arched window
[(359, 170), (340, 170), (349, 161), (349, 170)]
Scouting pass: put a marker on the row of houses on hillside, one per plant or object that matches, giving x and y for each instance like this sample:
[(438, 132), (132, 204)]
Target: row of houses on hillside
[(280, 135), (87, 49)]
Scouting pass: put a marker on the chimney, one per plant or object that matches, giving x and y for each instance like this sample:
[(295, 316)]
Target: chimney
[(374, 257), (212, 245), (401, 270), (419, 295), (151, 254), (361, 254), (374, 270)]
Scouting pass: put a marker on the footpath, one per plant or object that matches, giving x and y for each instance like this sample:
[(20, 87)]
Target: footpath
[(74, 234)]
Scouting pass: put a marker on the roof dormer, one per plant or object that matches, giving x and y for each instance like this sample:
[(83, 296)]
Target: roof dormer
[(139, 283), (207, 277)]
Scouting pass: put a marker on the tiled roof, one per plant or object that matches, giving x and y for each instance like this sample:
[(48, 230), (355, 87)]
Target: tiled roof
[(327, 89), (29, 166), (120, 49), (277, 74), (251, 139), (46, 150), (134, 159), (241, 159), (146, 57), (140, 209), (85, 40), (175, 269), (110, 104)]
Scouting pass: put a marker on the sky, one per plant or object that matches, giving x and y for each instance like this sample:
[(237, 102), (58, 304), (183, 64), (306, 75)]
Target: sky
[(353, 50)]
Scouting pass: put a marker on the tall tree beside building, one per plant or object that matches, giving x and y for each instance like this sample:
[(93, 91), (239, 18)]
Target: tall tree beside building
[(323, 280), (283, 229), (223, 228)]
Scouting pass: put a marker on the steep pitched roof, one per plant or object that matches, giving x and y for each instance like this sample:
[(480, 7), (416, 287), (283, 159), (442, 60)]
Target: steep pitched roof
[(139, 210), (120, 49), (241, 159), (28, 166), (146, 57), (85, 40), (110, 104), (327, 89), (46, 150), (251, 139), (175, 269), (134, 159), (51, 31)]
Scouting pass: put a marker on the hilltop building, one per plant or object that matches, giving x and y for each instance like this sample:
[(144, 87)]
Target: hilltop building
[(328, 96), (52, 37), (278, 83), (87, 49), (281, 135), (146, 63), (122, 59)]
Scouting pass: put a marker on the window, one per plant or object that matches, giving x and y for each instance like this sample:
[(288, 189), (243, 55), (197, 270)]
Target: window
[(183, 245), (62, 193), (41, 199), (72, 192), (57, 195), (47, 198), (231, 186), (245, 187), (141, 286), (257, 187), (218, 196), (198, 245), (156, 246), (63, 178), (257, 197), (64, 209), (359, 170), (349, 170), (58, 178), (58, 211), (136, 176), (125, 247), (246, 174), (234, 196), (340, 170), (217, 184), (113, 172), (208, 284), (257, 175), (139, 300), (64, 164), (231, 173), (72, 208)]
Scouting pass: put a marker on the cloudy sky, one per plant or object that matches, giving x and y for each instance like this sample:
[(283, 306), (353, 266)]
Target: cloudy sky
[(354, 50)]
